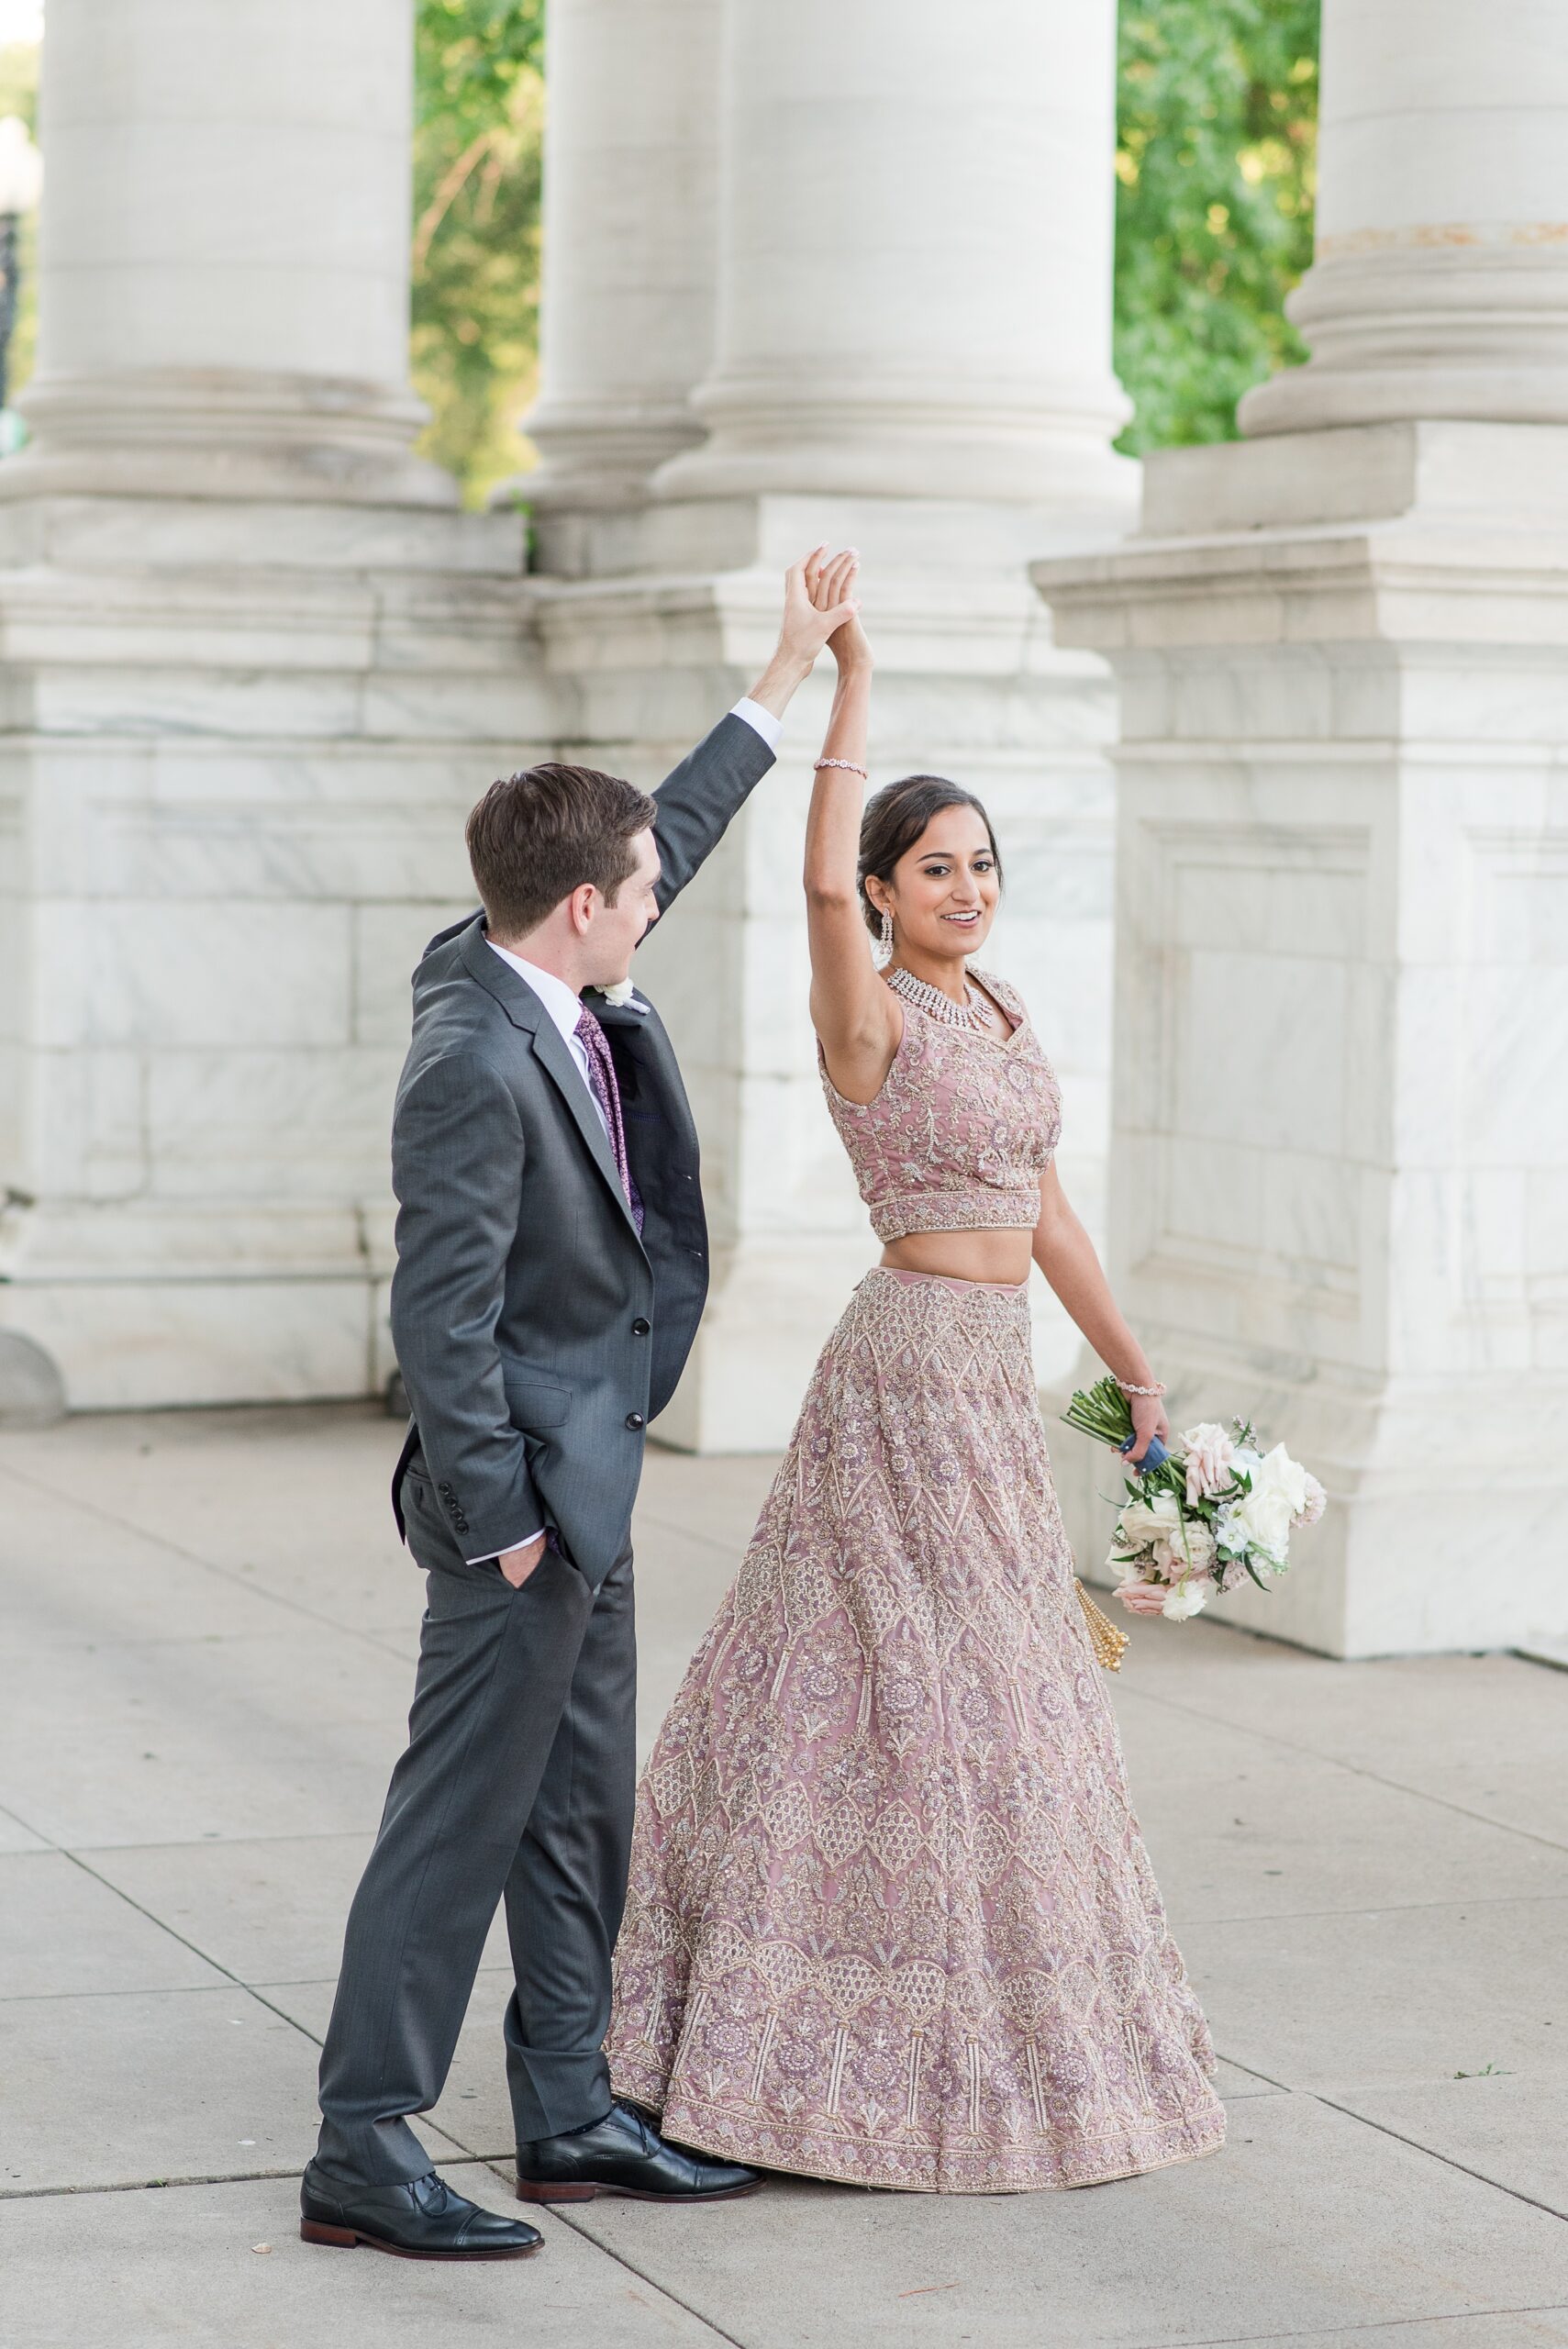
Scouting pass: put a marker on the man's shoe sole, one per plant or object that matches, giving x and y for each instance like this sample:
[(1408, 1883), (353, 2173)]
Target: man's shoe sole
[(346, 2238), (584, 2190)]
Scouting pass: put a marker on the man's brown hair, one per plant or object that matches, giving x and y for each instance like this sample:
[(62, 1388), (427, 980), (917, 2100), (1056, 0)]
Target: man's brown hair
[(537, 836)]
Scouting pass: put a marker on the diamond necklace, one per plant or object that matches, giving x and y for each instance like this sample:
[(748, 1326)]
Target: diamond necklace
[(973, 1012)]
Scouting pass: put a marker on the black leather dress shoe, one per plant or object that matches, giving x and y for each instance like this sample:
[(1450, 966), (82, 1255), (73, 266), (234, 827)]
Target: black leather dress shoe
[(624, 2153), (424, 2219)]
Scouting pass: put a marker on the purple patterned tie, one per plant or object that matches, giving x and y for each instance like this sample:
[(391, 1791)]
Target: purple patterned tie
[(606, 1093)]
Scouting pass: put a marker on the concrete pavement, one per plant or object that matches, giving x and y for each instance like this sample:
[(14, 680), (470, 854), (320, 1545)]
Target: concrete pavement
[(208, 1627)]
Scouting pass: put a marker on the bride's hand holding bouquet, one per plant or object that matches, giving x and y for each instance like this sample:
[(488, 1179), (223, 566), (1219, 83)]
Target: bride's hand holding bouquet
[(1199, 1518)]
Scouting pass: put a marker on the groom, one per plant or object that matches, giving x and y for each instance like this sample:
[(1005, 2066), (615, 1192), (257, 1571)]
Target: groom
[(552, 1269)]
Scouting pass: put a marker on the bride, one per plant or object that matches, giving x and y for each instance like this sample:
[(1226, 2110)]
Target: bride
[(891, 1919)]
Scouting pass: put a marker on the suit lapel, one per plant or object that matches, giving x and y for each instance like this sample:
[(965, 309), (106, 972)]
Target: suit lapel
[(526, 1012), (640, 1037), (551, 1052)]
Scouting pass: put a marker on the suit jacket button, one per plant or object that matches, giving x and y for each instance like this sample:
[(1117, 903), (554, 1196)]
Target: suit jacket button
[(640, 1328), (634, 1419)]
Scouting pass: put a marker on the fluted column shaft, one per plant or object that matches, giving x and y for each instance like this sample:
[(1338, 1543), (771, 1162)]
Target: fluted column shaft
[(224, 252), (915, 280), (1441, 283), (631, 243)]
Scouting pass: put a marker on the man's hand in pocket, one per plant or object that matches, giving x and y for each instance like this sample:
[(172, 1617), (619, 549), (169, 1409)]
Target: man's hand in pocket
[(518, 1565)]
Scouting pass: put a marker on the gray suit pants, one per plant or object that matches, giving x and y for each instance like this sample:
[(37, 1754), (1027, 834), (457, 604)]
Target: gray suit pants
[(517, 1783)]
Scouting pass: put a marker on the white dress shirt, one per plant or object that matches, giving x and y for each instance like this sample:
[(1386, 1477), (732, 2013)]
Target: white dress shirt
[(565, 1008)]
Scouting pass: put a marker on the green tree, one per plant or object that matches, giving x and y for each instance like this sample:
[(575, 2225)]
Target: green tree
[(477, 151), (1216, 152), (19, 95)]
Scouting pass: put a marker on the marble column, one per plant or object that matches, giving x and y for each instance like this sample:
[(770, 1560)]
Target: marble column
[(912, 355), (1440, 287), (631, 200), (258, 667), (915, 282), (222, 288), (1339, 1145)]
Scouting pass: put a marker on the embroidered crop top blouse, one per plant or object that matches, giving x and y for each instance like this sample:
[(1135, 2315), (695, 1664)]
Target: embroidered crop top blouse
[(961, 1131)]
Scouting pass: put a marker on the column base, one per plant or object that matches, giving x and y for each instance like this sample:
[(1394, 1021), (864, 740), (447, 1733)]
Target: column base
[(1035, 444), (209, 432), (1473, 330)]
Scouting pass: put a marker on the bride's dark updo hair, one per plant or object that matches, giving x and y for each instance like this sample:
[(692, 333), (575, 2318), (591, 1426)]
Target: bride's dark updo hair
[(895, 818)]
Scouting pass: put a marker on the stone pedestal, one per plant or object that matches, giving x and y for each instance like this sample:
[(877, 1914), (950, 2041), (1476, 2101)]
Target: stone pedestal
[(1339, 1145), (257, 668)]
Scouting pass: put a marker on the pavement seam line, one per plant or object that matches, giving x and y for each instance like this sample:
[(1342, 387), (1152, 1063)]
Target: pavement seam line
[(1259, 1915), (1449, 2161), (27, 1829), (173, 2185), (194, 1558), (1383, 2324), (235, 1981), (1253, 2073), (1354, 1769), (559, 2212)]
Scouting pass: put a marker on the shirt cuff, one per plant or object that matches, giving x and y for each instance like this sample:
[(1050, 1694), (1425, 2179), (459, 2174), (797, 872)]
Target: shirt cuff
[(761, 721), (488, 1554)]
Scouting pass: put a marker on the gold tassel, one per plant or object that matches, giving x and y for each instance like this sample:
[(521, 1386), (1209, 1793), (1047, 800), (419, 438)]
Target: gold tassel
[(1108, 1641)]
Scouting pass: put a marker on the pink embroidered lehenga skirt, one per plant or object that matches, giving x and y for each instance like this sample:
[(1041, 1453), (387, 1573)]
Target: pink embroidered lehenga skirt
[(891, 1919)]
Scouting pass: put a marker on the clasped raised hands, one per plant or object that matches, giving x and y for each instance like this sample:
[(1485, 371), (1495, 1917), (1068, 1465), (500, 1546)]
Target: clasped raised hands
[(819, 602)]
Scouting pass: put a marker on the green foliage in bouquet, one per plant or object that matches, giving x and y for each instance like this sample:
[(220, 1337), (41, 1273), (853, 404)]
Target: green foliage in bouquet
[(1104, 1412)]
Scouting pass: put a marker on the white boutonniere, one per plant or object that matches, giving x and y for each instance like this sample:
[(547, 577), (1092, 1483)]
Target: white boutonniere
[(621, 993)]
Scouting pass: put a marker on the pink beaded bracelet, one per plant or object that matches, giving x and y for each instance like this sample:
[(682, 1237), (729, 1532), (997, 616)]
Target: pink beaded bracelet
[(848, 765), (1128, 1389)]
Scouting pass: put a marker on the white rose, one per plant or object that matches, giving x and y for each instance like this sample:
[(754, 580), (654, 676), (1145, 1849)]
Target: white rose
[(622, 992), (1192, 1548), (1188, 1598), (1209, 1452), (1143, 1524), (1262, 1516)]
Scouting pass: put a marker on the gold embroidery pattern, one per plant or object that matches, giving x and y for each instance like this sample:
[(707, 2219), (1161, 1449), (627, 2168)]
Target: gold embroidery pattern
[(891, 1918), (961, 1131)]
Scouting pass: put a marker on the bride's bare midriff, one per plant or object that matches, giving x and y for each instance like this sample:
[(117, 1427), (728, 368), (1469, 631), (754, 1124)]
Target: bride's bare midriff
[(963, 1255)]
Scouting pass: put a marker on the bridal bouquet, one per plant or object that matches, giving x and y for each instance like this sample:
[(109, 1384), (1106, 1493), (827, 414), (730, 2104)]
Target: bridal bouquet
[(1198, 1518)]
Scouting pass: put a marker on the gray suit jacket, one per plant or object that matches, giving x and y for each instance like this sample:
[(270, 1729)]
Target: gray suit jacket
[(535, 1334)]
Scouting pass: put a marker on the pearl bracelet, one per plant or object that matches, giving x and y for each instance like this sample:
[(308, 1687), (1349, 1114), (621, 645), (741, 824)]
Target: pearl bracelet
[(1128, 1387), (848, 765)]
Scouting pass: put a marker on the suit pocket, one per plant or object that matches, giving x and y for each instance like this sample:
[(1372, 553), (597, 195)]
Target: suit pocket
[(534, 1403)]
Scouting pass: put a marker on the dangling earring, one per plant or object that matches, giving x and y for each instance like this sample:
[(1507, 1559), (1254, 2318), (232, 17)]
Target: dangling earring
[(886, 936)]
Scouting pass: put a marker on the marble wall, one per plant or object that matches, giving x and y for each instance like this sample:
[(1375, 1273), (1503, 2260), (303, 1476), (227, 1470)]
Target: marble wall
[(237, 804)]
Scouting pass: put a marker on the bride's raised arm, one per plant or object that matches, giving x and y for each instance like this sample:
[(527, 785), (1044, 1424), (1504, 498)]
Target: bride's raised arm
[(854, 1015)]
